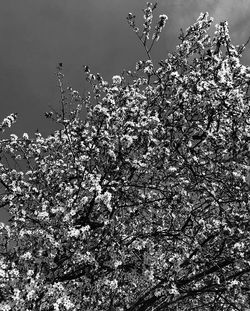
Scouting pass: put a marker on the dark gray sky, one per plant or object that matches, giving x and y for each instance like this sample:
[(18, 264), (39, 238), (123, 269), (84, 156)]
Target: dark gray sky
[(36, 35)]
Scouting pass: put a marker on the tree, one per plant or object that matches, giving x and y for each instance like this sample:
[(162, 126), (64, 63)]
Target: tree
[(143, 205)]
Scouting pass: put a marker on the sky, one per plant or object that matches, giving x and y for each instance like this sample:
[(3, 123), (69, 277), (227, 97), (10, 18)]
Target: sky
[(36, 35)]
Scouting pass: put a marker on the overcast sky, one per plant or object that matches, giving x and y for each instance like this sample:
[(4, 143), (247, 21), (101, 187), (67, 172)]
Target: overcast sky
[(36, 35)]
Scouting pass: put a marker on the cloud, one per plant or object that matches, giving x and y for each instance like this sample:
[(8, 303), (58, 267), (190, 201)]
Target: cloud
[(230, 10), (184, 13), (238, 16)]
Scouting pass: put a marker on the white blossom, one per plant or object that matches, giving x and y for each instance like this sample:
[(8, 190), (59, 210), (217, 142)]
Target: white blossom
[(116, 80)]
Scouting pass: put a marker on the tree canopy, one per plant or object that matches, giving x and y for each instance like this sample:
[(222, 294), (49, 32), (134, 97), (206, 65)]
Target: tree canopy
[(144, 203)]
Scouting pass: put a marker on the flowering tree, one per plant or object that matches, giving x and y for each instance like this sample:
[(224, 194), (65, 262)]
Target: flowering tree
[(143, 205)]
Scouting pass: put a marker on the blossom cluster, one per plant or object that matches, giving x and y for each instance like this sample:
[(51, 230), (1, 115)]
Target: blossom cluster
[(148, 18), (158, 28), (8, 121), (144, 203)]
